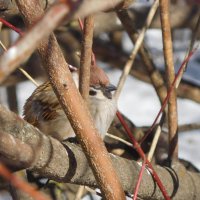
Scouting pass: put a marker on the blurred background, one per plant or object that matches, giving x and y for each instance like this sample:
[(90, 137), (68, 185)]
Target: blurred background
[(138, 101)]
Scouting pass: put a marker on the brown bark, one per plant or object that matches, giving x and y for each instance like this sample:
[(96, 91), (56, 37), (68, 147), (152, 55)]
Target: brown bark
[(86, 55), (170, 75), (67, 163), (181, 19)]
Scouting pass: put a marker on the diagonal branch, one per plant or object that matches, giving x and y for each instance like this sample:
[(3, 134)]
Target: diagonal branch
[(154, 74), (74, 107), (137, 46)]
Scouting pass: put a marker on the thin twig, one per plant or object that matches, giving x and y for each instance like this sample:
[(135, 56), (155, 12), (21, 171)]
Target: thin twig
[(188, 127), (11, 26), (170, 75), (139, 180), (133, 54), (5, 49), (28, 76), (119, 139), (154, 143)]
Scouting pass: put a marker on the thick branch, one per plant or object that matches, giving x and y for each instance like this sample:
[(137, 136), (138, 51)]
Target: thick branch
[(74, 107), (67, 162)]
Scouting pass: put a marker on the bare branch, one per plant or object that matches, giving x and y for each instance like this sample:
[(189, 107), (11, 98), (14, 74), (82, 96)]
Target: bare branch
[(188, 127), (170, 75), (154, 143)]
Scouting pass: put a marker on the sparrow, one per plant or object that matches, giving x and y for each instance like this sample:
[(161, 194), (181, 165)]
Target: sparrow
[(43, 110)]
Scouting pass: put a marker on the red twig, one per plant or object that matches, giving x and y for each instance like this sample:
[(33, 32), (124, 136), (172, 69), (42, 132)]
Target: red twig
[(133, 140), (141, 153), (80, 24), (168, 95), (22, 185), (11, 26), (139, 180)]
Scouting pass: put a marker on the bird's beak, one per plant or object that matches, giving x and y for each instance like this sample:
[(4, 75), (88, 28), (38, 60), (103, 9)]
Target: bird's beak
[(111, 88), (108, 89)]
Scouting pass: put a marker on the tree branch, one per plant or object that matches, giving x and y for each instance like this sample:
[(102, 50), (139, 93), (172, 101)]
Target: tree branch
[(67, 163), (170, 75), (86, 55)]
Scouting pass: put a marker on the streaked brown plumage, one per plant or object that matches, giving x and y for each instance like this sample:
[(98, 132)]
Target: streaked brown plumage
[(43, 110)]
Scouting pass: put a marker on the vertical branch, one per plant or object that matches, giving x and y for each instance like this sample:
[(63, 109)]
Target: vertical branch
[(170, 73), (85, 63), (73, 105), (86, 54)]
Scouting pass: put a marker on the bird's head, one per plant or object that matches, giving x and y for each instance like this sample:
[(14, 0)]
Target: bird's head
[(100, 86)]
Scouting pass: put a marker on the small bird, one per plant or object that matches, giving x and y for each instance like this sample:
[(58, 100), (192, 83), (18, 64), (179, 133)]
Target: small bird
[(43, 110)]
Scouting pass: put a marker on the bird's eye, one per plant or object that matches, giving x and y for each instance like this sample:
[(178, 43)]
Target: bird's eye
[(92, 92)]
